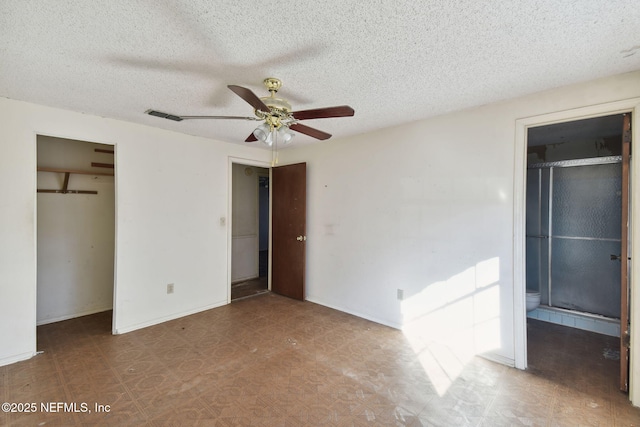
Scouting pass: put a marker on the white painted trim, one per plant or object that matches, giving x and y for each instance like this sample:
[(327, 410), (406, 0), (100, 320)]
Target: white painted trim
[(116, 185), (519, 261), (498, 359), (357, 314), (168, 318), (34, 320), (634, 310), (519, 245), (246, 162), (16, 358), (73, 316), (244, 279)]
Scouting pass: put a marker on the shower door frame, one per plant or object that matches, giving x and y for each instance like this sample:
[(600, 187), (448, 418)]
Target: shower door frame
[(519, 240)]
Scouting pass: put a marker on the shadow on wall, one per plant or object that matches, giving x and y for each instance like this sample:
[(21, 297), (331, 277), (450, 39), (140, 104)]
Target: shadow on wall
[(451, 321)]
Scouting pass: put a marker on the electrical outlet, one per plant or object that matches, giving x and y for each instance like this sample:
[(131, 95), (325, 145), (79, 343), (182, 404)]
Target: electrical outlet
[(400, 294), (170, 288)]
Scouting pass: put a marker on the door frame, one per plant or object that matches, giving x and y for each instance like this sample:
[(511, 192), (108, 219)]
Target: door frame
[(229, 225), (519, 217)]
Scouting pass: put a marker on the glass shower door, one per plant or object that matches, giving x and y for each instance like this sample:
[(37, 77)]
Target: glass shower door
[(585, 232)]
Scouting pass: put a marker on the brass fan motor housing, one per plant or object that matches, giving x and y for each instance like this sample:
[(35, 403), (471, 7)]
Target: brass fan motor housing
[(280, 109), (278, 104), (281, 105), (272, 84)]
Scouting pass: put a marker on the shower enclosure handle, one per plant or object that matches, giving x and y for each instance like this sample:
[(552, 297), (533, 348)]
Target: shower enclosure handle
[(617, 257)]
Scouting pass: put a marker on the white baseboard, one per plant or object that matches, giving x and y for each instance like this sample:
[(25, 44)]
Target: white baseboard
[(499, 359), (244, 279), (16, 358), (357, 314), (72, 316), (163, 319)]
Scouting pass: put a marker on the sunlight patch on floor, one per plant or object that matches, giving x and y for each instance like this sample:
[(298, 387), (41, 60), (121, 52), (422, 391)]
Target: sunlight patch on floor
[(449, 322)]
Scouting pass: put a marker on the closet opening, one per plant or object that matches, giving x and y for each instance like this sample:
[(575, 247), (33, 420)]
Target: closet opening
[(75, 229)]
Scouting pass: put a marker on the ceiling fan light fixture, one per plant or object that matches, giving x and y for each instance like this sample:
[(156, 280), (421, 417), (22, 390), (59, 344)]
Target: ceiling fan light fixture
[(269, 139), (285, 135), (263, 132)]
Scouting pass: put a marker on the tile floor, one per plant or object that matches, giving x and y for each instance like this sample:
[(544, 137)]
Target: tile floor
[(272, 361), (249, 288)]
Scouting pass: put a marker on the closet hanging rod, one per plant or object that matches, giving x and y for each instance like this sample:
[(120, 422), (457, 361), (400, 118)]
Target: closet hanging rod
[(102, 165), (102, 150), (65, 185)]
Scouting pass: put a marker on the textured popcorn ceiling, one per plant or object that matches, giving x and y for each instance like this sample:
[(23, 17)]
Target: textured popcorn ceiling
[(392, 61)]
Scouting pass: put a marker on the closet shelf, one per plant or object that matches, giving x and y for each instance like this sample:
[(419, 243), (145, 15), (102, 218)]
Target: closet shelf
[(43, 169), (67, 173)]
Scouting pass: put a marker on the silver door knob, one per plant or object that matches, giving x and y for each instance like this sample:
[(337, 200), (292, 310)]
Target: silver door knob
[(301, 238)]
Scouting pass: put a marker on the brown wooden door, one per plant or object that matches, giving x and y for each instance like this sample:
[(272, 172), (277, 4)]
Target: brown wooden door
[(624, 257), (288, 229)]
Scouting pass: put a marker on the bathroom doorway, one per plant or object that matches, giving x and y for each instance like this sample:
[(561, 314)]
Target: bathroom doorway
[(576, 245)]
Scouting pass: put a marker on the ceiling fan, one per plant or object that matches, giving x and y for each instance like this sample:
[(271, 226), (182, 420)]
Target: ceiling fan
[(275, 113)]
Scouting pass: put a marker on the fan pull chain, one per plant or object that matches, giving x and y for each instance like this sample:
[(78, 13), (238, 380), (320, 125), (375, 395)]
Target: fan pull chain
[(274, 148)]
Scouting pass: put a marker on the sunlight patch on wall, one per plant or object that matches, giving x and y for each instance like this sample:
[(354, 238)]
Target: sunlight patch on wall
[(449, 322), (487, 272)]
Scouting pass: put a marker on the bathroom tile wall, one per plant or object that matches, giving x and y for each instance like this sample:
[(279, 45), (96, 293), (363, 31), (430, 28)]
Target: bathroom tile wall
[(576, 320)]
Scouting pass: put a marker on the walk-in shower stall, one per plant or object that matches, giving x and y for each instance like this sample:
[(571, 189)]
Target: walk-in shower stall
[(574, 227), (573, 234)]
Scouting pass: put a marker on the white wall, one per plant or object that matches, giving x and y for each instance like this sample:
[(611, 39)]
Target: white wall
[(428, 208), (171, 193), (76, 233)]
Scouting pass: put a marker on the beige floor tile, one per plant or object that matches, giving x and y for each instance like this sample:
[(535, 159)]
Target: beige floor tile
[(272, 361)]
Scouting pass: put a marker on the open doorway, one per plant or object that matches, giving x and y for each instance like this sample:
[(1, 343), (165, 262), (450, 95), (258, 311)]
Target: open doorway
[(576, 206), (75, 229), (249, 230)]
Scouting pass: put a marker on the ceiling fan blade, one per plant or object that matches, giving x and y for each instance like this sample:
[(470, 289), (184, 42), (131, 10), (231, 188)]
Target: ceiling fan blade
[(251, 138), (177, 118), (164, 115), (323, 113), (219, 117), (318, 134), (250, 97)]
